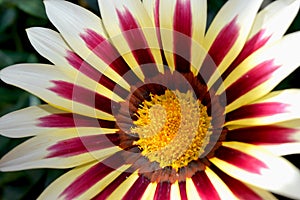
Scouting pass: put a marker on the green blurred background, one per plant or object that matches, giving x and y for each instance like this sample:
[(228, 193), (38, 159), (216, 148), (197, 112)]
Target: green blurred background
[(15, 17)]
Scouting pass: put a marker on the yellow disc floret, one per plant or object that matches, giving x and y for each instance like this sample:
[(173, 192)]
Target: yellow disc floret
[(173, 128)]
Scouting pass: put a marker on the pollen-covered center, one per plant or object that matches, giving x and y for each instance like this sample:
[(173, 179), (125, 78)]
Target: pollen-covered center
[(173, 128)]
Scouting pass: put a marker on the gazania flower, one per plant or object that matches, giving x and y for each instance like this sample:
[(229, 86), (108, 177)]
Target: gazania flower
[(143, 103)]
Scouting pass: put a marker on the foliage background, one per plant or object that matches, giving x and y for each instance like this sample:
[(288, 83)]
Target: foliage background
[(15, 17)]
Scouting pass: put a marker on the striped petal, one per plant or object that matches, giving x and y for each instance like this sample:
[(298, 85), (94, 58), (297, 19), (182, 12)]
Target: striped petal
[(227, 34), (275, 134), (85, 34), (43, 119), (133, 34), (52, 46), (242, 190), (182, 26), (150, 191), (207, 185), (256, 166), (84, 182), (54, 87), (61, 149), (275, 107), (269, 26), (261, 72)]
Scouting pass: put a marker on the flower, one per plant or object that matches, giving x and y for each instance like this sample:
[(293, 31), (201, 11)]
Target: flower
[(144, 103)]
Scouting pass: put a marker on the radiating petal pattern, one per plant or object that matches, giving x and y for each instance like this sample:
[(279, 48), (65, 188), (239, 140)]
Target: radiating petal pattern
[(53, 86), (275, 107), (60, 149), (150, 101), (253, 165)]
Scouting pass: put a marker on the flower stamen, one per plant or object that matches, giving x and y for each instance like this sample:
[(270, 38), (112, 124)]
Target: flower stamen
[(173, 129)]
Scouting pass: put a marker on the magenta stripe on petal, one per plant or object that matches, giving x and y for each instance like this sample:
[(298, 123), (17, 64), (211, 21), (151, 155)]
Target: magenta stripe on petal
[(256, 42), (224, 41), (156, 13), (253, 44), (270, 134), (182, 189), (239, 189), (70, 120), (205, 188), (108, 53), (137, 189), (82, 95), (94, 74), (257, 110), (250, 80), (240, 159), (182, 35), (137, 42), (163, 191), (112, 186), (90, 177), (80, 145)]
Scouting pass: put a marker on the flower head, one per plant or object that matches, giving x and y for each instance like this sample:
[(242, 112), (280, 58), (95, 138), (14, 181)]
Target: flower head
[(147, 103)]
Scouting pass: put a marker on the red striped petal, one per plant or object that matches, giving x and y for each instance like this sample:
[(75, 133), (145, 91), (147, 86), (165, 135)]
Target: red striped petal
[(240, 159), (82, 95), (80, 145), (163, 191), (108, 53), (257, 110), (271, 134), (253, 44), (138, 188), (70, 120), (204, 186), (250, 80), (90, 177), (182, 189), (224, 41), (239, 189), (182, 45), (137, 41), (112, 186)]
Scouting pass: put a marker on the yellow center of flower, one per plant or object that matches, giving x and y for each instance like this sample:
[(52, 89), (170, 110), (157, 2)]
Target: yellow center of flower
[(173, 129)]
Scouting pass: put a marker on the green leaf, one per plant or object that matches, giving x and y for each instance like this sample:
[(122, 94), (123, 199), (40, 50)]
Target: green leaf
[(32, 7), (7, 18), (11, 57)]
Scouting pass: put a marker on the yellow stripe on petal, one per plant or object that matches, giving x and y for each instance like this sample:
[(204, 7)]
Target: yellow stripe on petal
[(191, 190), (133, 34), (57, 187), (235, 17), (175, 192), (222, 189), (262, 71), (103, 183), (150, 191), (59, 149), (277, 106), (55, 190), (182, 25), (52, 46), (23, 123), (54, 87), (278, 175), (77, 21), (124, 187)]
